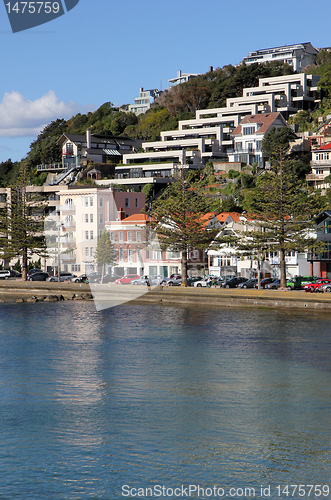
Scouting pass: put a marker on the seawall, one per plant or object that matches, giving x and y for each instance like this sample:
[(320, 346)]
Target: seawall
[(13, 291)]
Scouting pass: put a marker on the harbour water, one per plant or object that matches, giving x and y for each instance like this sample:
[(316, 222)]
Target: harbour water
[(95, 405)]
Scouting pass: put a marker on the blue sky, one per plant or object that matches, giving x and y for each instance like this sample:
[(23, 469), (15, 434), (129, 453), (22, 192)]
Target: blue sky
[(105, 50)]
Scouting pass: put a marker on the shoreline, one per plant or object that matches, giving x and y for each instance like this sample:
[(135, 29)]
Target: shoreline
[(18, 291)]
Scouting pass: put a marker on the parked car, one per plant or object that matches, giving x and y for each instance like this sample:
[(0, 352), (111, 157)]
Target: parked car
[(35, 270), (234, 282), (313, 287), (64, 276), (40, 276), (298, 282), (249, 283), (193, 279), (274, 285), (325, 288), (108, 278), (79, 279), (5, 274), (265, 282), (148, 280), (175, 281), (93, 277), (205, 282), (127, 279)]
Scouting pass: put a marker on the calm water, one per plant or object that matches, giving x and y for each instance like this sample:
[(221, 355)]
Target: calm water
[(149, 395)]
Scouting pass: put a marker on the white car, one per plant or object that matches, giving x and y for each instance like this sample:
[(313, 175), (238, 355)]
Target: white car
[(205, 282)]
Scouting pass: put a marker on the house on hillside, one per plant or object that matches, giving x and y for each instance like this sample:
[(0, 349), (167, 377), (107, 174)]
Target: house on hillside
[(298, 55), (322, 260), (321, 167), (249, 134), (80, 149)]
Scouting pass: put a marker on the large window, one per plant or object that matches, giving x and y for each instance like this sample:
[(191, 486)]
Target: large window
[(248, 130)]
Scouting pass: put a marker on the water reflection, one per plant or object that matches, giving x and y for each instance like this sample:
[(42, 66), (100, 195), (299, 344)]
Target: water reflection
[(91, 401)]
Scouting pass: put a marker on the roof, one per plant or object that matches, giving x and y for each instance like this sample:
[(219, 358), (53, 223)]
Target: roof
[(324, 147), (137, 218), (222, 217), (263, 120)]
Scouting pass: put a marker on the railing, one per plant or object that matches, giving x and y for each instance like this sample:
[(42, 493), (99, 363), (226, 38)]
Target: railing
[(51, 166), (316, 177)]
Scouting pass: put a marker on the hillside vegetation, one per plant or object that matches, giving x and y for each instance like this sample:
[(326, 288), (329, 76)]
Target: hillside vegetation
[(180, 102)]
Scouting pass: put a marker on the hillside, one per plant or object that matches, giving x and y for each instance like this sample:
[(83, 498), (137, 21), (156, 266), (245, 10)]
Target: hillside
[(180, 102)]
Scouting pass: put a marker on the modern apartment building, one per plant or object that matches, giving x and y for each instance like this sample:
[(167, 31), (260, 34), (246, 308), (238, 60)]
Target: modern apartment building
[(321, 167), (144, 101), (298, 55), (181, 78), (209, 136)]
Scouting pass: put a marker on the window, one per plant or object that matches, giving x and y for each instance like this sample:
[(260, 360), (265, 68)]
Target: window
[(101, 201), (127, 202), (86, 218), (112, 236), (130, 256), (121, 255), (91, 251), (137, 202), (91, 201), (248, 130), (91, 235), (139, 255), (91, 218), (138, 236), (75, 268), (129, 235), (101, 219), (86, 201), (69, 204), (87, 251), (86, 235), (121, 236)]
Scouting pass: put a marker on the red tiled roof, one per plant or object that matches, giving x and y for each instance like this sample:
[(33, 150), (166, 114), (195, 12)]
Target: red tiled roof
[(263, 120), (326, 146), (224, 215), (137, 218)]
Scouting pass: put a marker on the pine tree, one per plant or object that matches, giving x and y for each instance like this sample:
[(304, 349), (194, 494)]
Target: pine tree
[(177, 217), (22, 223), (105, 253), (283, 208)]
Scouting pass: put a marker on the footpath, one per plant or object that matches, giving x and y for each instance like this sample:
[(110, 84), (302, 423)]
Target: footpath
[(18, 291)]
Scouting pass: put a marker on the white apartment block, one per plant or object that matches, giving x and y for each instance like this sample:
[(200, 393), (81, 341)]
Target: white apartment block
[(144, 101), (208, 136), (181, 78), (298, 55)]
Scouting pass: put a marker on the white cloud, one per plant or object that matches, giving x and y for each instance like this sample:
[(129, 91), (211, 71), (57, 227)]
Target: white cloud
[(21, 117)]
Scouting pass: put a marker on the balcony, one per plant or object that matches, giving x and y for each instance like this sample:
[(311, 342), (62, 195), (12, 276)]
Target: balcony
[(316, 177)]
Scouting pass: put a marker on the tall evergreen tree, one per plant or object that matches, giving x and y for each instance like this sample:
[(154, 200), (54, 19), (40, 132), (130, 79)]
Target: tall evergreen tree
[(22, 223), (177, 217), (283, 208), (105, 253)]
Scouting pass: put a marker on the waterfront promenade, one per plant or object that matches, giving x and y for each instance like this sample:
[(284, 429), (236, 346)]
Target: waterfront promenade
[(13, 291)]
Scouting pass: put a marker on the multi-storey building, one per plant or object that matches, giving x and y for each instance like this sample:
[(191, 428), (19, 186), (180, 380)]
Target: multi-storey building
[(320, 166), (209, 136), (298, 55), (144, 101), (181, 78)]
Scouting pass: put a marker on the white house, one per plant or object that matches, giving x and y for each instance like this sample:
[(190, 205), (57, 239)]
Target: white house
[(298, 55)]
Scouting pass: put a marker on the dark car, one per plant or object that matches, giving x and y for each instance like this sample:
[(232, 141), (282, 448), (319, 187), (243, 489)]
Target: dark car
[(94, 277), (274, 285), (265, 282), (193, 279), (234, 282), (40, 276), (35, 270), (108, 278), (248, 284)]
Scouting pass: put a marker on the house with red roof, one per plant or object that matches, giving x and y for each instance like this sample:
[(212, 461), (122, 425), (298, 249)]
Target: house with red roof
[(249, 134), (139, 252)]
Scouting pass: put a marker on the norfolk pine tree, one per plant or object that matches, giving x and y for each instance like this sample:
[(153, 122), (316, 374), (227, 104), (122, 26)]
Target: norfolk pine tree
[(283, 208), (22, 223), (177, 218), (105, 253)]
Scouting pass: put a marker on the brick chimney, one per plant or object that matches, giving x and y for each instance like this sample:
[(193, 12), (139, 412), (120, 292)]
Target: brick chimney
[(120, 214)]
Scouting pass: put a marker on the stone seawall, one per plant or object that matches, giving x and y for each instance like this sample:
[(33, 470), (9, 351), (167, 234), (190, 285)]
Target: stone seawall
[(16, 291)]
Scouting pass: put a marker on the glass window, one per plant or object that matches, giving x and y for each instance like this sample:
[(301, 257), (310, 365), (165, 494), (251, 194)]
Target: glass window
[(91, 218), (91, 235), (129, 235), (86, 218), (101, 201), (127, 202), (121, 236), (137, 202), (86, 251), (86, 235), (138, 236), (86, 201), (101, 219), (91, 201)]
